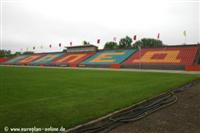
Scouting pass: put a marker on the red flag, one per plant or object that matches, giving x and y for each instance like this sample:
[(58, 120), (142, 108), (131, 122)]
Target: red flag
[(134, 37), (98, 40), (50, 45), (70, 43), (158, 36), (114, 39), (59, 44)]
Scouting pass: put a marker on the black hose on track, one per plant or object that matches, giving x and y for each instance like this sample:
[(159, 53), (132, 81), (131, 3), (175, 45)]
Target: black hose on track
[(134, 114)]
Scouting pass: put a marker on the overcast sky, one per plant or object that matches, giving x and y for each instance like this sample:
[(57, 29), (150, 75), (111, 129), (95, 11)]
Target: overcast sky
[(28, 23)]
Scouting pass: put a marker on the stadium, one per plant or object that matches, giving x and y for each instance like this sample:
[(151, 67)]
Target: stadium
[(86, 90), (99, 66)]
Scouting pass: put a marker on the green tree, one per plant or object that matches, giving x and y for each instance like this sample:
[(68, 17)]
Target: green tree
[(125, 42), (5, 53), (16, 53), (28, 52), (111, 45), (148, 43)]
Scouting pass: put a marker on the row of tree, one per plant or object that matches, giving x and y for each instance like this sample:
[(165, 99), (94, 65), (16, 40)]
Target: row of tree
[(4, 53), (127, 42), (7, 53)]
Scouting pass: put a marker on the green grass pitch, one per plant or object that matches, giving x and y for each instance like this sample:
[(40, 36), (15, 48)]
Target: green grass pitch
[(45, 97)]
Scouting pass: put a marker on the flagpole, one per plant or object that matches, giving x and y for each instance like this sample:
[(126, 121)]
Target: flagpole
[(184, 33), (185, 40)]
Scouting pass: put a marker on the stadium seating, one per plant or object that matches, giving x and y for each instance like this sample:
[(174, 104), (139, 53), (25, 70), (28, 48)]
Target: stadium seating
[(3, 59), (175, 57), (45, 60), (71, 59), (30, 58), (163, 56), (14, 60), (108, 57)]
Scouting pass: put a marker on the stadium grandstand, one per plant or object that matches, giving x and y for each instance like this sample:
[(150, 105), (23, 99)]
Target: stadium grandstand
[(15, 59), (106, 58), (30, 58), (46, 59), (71, 59), (168, 57), (162, 58), (2, 59)]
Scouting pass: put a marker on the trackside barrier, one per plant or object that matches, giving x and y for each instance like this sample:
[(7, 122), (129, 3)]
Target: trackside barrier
[(72, 65), (82, 65), (192, 68), (116, 66)]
